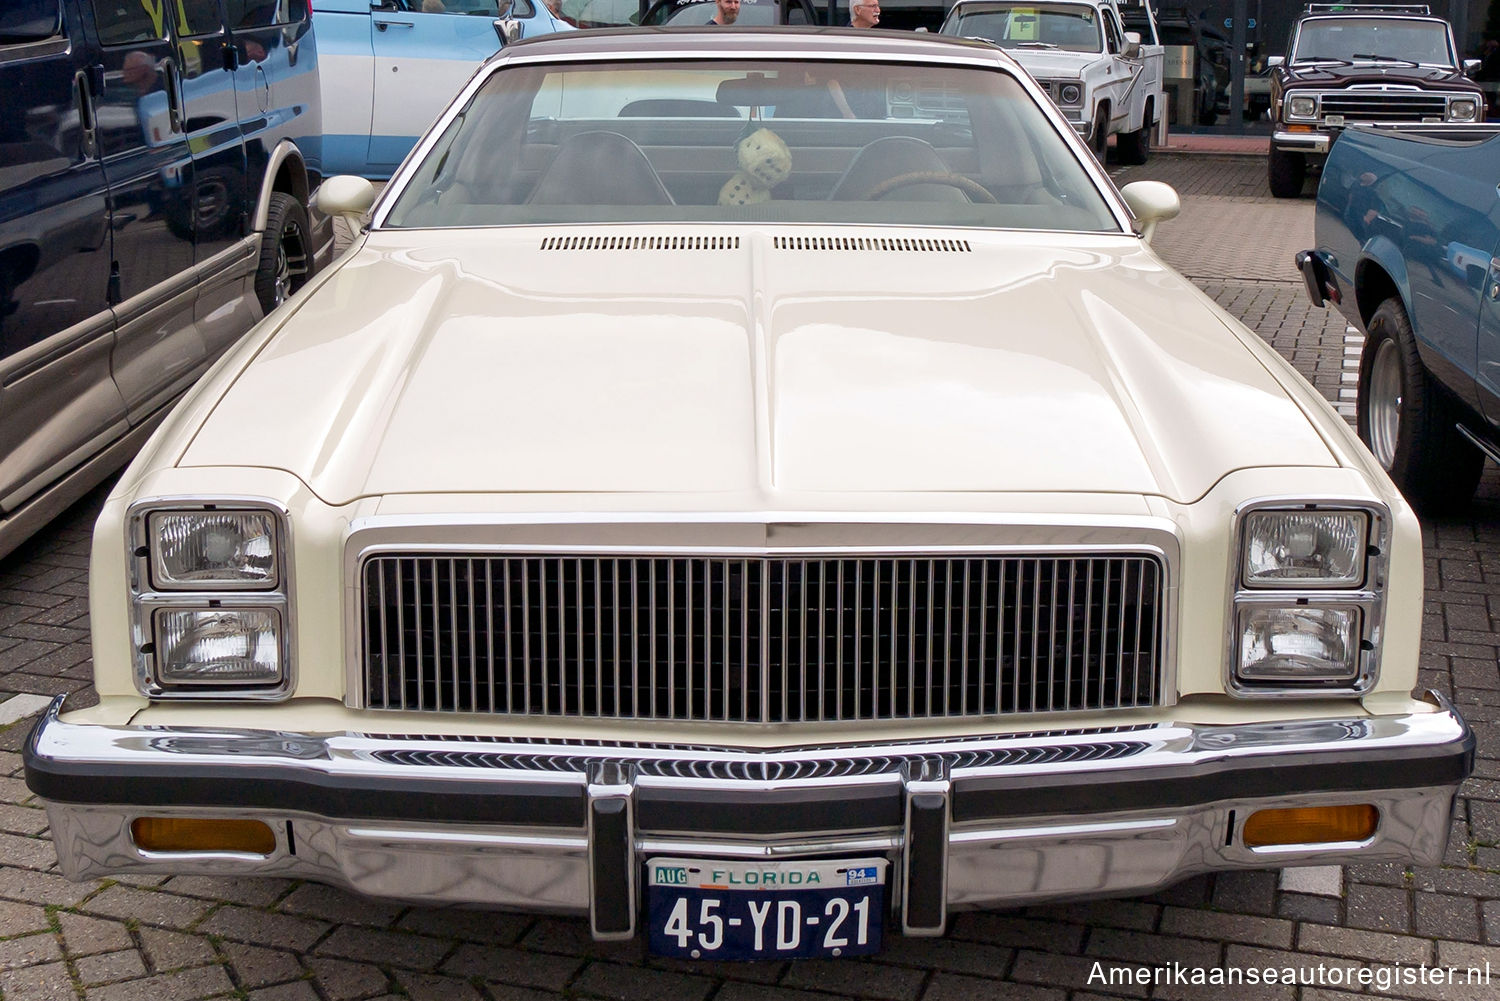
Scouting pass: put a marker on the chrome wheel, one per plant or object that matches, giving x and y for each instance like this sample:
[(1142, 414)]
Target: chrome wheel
[(1383, 408), (291, 265)]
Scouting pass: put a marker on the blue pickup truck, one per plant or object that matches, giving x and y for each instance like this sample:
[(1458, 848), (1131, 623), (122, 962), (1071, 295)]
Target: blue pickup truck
[(1408, 248), (389, 67)]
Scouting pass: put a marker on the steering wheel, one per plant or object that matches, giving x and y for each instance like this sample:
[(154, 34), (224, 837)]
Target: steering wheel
[(973, 189)]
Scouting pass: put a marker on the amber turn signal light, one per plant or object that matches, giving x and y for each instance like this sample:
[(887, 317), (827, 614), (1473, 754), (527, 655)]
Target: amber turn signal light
[(1311, 825), (194, 834)]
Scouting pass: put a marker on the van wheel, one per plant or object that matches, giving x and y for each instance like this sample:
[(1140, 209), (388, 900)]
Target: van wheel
[(1407, 421), (1135, 147), (1285, 173), (286, 261)]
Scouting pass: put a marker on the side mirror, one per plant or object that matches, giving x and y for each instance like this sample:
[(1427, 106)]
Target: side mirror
[(1132, 44), (1471, 66), (508, 29), (1273, 61), (1151, 202), (351, 197)]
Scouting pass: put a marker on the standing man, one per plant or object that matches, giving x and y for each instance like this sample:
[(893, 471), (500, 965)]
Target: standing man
[(864, 13), (728, 12)]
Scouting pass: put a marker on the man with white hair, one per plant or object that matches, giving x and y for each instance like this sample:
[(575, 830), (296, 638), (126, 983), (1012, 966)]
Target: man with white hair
[(864, 13)]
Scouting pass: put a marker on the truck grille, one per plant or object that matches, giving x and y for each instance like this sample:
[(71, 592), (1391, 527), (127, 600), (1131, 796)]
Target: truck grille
[(1385, 106), (698, 638)]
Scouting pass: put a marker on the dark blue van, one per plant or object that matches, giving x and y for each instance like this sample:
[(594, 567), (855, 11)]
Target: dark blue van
[(156, 166)]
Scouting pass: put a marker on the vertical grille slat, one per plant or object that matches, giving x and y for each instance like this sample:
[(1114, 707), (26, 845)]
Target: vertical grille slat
[(763, 640)]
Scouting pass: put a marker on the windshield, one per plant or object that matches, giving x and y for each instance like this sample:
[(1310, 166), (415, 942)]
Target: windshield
[(1035, 26), (752, 12), (1369, 39), (852, 142)]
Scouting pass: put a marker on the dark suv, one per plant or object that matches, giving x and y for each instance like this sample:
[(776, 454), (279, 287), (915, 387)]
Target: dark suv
[(1360, 65), (156, 162)]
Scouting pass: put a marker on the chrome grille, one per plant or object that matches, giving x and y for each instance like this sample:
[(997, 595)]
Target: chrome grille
[(1384, 106), (694, 638)]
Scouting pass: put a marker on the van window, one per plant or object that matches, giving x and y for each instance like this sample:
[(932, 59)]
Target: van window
[(260, 13), (29, 20), (198, 17), (125, 22)]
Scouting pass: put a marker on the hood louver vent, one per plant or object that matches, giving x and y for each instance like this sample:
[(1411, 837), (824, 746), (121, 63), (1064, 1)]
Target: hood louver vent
[(641, 243), (871, 243)]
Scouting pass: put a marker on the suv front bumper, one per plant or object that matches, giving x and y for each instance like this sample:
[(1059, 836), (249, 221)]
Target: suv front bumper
[(558, 826), (1302, 142)]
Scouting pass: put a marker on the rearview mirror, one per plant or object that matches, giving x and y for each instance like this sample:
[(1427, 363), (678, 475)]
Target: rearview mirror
[(753, 90), (1151, 202)]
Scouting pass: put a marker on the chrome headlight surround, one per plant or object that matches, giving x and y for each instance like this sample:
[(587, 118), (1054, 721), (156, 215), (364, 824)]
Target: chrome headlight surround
[(1464, 108), (155, 597), (1356, 601), (1069, 93), (1301, 107)]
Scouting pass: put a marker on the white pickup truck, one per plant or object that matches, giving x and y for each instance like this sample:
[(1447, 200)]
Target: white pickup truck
[(1105, 80)]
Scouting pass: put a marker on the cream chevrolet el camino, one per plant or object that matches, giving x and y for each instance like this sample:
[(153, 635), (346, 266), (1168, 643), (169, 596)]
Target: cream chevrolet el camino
[(758, 490)]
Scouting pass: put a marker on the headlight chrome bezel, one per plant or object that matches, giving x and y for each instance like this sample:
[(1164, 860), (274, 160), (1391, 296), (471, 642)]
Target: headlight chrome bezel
[(1367, 597), (1474, 109), (148, 597), (1063, 86), (1291, 107)]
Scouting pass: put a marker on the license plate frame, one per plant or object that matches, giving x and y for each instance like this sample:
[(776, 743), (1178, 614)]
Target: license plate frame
[(723, 910)]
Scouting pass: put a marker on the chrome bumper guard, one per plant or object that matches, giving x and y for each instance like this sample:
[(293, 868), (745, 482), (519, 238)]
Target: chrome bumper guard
[(564, 827), (1303, 142)]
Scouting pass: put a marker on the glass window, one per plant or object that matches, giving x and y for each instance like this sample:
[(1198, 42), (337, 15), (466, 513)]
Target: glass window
[(198, 17), (1370, 39), (29, 20), (263, 13), (126, 22), (1072, 27), (794, 142)]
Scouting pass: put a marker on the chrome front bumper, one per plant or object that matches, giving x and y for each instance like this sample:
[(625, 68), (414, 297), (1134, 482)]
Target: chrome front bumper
[(1302, 142), (565, 826)]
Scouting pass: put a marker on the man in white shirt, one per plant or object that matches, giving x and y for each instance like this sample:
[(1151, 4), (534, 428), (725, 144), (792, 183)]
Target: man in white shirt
[(864, 13)]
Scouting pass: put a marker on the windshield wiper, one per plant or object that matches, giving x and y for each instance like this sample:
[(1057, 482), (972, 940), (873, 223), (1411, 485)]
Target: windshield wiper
[(1377, 58), (1035, 45)]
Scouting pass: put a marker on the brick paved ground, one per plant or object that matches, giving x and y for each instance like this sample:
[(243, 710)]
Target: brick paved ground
[(185, 938)]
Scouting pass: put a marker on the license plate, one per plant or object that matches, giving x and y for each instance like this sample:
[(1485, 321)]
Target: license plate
[(703, 909)]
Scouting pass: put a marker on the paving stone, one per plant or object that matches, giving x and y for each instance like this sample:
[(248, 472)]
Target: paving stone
[(471, 926), (170, 950), (49, 982), (765, 992), (1136, 947), (85, 936), (18, 919), (1002, 929), (261, 928), (151, 907), (947, 955), (1349, 942), (1441, 916), (426, 987), (42, 887), (110, 966), (1303, 907), (1377, 907), (248, 892), (341, 981), (1227, 927), (185, 985), (29, 950), (1323, 880), (28, 853), (951, 987), (512, 966), (331, 904), (1051, 970), (23, 820), (572, 938), (857, 978), (256, 967), (300, 990), (1250, 891), (611, 980), (416, 952), (1133, 914)]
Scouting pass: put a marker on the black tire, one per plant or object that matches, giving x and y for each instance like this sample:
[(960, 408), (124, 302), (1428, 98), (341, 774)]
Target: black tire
[(1414, 436), (286, 260), (1285, 173), (1099, 137), (1135, 147)]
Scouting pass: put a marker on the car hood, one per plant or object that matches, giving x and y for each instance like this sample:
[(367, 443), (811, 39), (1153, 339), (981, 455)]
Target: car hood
[(526, 360), (1054, 63), (1368, 73)]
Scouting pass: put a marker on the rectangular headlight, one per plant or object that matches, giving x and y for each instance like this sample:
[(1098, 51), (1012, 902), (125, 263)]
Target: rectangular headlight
[(1299, 549), (1292, 643), (213, 550), (218, 646), (1463, 109), (1302, 107)]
